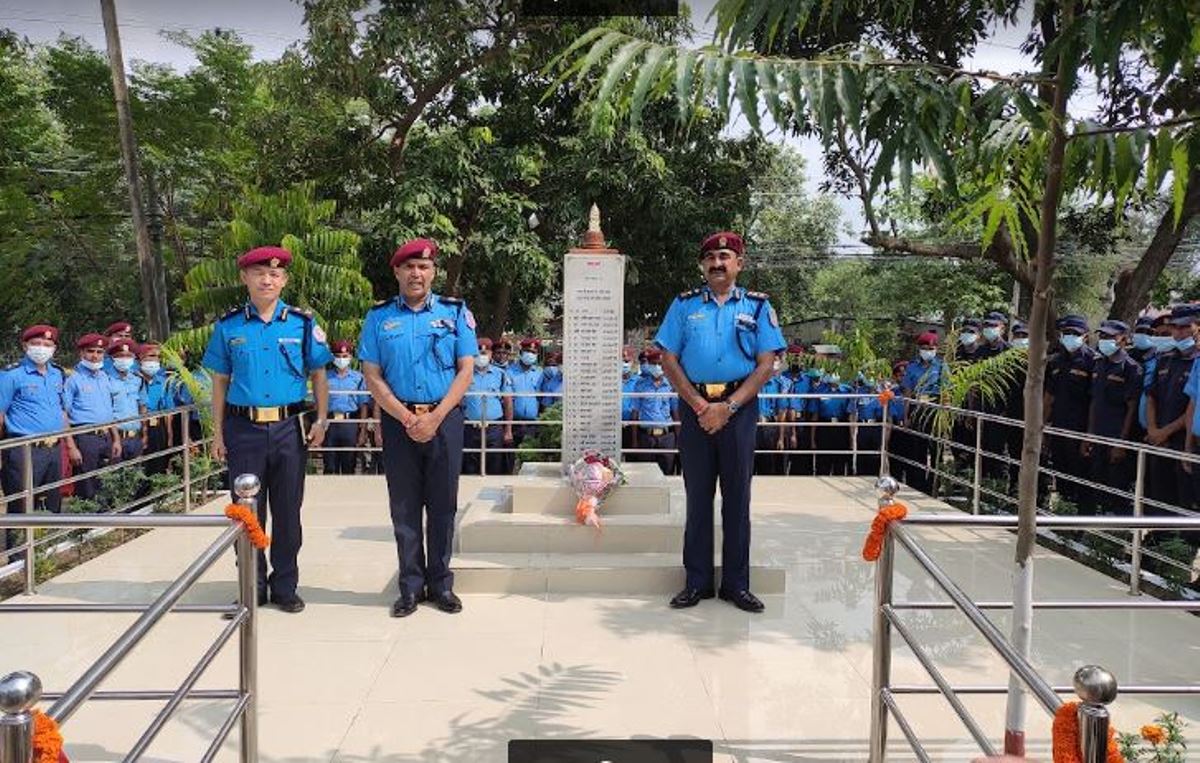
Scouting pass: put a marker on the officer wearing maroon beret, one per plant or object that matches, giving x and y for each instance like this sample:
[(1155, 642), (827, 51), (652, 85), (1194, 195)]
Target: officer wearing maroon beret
[(347, 400), (418, 353), (31, 403), (720, 343), (489, 399), (117, 330), (526, 377), (552, 380), (262, 356), (128, 396), (88, 396)]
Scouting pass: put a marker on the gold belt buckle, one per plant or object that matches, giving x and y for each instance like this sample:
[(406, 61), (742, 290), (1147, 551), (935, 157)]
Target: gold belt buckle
[(421, 408), (128, 434), (713, 390), (152, 422), (49, 442), (339, 416), (265, 415), (658, 431)]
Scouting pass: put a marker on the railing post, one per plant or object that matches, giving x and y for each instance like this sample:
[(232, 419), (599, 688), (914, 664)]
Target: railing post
[(30, 557), (1135, 553), (885, 467), (482, 446), (881, 672), (246, 486), (976, 479), (1096, 688), (185, 439), (19, 692)]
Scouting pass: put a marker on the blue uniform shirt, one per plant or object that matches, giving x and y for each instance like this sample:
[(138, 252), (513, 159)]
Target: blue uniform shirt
[(552, 382), (921, 378), (629, 404), (769, 407), (268, 363), (160, 392), (653, 412), (353, 381), (88, 396), (719, 343), (418, 350), (830, 408), (127, 393), (32, 403), (525, 379), (868, 408), (486, 407), (1149, 368), (798, 384)]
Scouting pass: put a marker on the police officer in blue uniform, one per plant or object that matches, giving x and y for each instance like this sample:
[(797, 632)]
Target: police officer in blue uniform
[(923, 379), (31, 403), (552, 380), (720, 343), (88, 399), (118, 331), (347, 400), (655, 415), (526, 377), (799, 436), (128, 403), (868, 414), (1166, 410), (159, 394), (489, 399), (1068, 392), (1116, 386), (772, 420), (1014, 406), (828, 412), (994, 437), (261, 356), (630, 376), (418, 352)]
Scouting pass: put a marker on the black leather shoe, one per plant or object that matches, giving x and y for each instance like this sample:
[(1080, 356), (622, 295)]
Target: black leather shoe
[(404, 605), (447, 602), (743, 600), (690, 597), (291, 604)]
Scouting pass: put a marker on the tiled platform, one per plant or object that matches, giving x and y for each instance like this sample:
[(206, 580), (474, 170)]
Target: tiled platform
[(344, 682)]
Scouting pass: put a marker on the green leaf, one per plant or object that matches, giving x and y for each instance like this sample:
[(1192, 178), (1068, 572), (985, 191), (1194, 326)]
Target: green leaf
[(685, 74), (646, 76), (1163, 147), (724, 64), (883, 163), (618, 68), (1179, 169), (768, 82), (1028, 110), (747, 91), (849, 95)]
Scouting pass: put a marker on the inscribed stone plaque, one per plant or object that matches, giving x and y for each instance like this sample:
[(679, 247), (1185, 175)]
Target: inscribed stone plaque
[(593, 324)]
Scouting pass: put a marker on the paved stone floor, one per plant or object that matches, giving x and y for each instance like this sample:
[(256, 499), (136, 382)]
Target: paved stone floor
[(344, 682)]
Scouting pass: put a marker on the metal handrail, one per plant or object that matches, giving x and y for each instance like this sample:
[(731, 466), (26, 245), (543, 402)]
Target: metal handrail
[(1092, 684), (16, 722)]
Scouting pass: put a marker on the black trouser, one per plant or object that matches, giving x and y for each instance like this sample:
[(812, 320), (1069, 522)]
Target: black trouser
[(277, 455), (994, 439), (800, 464), (156, 442), (47, 468), (471, 448), (870, 438), (726, 457), (914, 446), (1118, 475), (766, 461), (342, 434), (422, 479), (1066, 459), (829, 438), (96, 450), (664, 441)]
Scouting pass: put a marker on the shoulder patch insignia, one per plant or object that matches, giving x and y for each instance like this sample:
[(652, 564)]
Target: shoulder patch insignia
[(757, 295), (318, 333), (11, 366), (470, 318), (451, 300), (382, 303), (774, 317), (304, 312), (231, 313)]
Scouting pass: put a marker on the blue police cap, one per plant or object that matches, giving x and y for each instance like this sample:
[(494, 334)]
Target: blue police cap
[(1144, 324), (1184, 315), (995, 318), (971, 323), (1072, 322), (1113, 328), (1020, 327)]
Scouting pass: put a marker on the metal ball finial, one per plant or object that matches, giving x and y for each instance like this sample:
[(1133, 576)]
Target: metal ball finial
[(19, 692), (1095, 685), (246, 486), (887, 487)]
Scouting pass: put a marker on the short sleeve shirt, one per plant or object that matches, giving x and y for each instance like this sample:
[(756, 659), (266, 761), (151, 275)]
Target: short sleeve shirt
[(719, 342), (417, 350)]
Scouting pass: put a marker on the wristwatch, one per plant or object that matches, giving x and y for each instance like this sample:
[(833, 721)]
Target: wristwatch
[(323, 423), (734, 406)]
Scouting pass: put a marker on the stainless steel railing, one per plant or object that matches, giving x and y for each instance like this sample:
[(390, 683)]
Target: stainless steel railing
[(20, 692), (187, 449), (1095, 687)]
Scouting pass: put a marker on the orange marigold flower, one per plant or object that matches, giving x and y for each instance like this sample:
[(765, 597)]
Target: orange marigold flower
[(873, 545), (47, 739), (1154, 734), (246, 516), (1065, 736)]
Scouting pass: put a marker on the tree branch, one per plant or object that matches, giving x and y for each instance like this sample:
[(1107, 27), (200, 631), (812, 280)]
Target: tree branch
[(1000, 251), (1134, 128)]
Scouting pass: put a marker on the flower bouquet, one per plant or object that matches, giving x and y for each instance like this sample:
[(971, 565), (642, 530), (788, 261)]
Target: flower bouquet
[(593, 476)]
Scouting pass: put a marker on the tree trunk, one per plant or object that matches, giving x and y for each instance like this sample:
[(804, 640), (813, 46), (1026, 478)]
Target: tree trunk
[(154, 284), (501, 306), (1132, 289), (1014, 732)]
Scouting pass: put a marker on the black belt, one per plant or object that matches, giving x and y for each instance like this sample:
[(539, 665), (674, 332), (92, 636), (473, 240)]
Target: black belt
[(266, 414), (420, 408), (716, 392)]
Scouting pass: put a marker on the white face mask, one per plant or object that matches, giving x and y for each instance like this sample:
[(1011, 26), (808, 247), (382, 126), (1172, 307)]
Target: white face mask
[(483, 361), (968, 338), (341, 363), (92, 365), (991, 333), (626, 367), (123, 364), (39, 354), (528, 358), (928, 355), (151, 367), (1021, 342)]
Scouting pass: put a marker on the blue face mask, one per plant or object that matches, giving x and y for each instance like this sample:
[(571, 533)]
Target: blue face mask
[(1021, 342), (553, 372), (1071, 342), (528, 358), (626, 367), (1162, 343), (968, 338), (991, 333), (645, 368), (1143, 341), (1107, 347), (1184, 345), (656, 370), (813, 373)]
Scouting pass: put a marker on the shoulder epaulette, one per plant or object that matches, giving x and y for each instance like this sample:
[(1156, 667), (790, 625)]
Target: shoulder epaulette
[(11, 366), (301, 311), (382, 303), (232, 313), (757, 295), (451, 300), (691, 292)]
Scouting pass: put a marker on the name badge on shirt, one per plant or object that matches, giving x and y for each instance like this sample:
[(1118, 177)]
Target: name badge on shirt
[(746, 321), (289, 340), (441, 323), (696, 317), (237, 340), (391, 324)]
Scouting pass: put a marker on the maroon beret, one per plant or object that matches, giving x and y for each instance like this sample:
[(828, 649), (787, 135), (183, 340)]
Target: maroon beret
[(91, 341), (122, 345), (40, 331), (654, 355), (723, 240), (118, 327), (418, 248), (485, 343), (529, 343), (796, 348), (275, 256), (927, 337), (341, 345), (505, 343), (146, 347)]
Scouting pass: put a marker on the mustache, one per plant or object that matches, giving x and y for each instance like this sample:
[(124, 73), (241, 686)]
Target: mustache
[(718, 269)]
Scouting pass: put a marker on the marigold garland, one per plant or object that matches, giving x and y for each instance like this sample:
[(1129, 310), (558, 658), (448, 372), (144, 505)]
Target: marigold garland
[(1154, 734), (1065, 734), (886, 396), (47, 740), (873, 545), (254, 531)]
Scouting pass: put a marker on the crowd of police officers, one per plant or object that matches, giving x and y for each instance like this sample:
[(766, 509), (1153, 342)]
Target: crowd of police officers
[(431, 382)]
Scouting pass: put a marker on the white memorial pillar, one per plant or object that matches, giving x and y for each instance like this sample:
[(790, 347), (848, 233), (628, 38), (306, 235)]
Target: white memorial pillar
[(593, 330)]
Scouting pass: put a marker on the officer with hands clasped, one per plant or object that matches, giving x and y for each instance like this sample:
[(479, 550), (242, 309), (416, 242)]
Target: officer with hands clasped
[(261, 356), (418, 353), (720, 343)]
